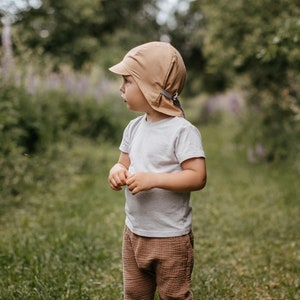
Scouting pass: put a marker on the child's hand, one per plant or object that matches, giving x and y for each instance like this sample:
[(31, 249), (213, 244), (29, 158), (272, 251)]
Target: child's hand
[(140, 182), (117, 177)]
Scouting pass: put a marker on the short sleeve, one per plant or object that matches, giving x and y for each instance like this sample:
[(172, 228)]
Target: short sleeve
[(124, 146), (188, 143), (128, 134)]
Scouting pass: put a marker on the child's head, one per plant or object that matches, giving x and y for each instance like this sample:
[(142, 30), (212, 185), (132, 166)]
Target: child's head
[(159, 71)]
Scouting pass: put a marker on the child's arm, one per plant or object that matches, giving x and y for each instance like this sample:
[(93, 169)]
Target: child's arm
[(191, 178), (119, 172)]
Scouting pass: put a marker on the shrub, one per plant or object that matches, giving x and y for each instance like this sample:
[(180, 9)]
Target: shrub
[(32, 126)]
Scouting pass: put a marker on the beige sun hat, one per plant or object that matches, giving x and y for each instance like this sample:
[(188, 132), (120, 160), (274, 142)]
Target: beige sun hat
[(159, 71)]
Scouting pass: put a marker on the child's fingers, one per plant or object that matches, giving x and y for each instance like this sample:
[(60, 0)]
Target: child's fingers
[(127, 174), (114, 184), (118, 178)]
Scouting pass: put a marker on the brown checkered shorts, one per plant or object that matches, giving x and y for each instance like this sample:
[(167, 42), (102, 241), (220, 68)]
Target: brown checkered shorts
[(164, 264)]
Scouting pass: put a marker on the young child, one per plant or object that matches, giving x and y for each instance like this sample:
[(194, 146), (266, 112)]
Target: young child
[(161, 162)]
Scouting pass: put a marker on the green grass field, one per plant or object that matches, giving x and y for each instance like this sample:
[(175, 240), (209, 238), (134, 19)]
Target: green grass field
[(63, 240)]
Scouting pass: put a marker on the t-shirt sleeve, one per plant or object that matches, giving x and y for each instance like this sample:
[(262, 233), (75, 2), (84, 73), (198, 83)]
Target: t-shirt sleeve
[(124, 146), (189, 144), (128, 133)]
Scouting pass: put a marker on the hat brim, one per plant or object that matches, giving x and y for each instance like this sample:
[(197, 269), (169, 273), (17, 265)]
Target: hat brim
[(119, 69)]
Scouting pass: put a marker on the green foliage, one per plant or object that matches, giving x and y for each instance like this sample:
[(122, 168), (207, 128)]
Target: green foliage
[(9, 116), (79, 33), (34, 122), (31, 125), (254, 46), (272, 127), (188, 38), (251, 46)]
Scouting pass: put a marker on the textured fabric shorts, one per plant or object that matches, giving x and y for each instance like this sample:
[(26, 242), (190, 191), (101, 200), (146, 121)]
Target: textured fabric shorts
[(162, 264)]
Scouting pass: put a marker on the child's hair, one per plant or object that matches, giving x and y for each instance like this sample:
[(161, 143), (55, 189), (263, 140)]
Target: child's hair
[(159, 71)]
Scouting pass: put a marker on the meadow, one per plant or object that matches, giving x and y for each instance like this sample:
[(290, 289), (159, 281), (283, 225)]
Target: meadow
[(62, 240)]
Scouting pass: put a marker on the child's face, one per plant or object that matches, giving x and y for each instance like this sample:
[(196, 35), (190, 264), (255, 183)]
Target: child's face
[(133, 96)]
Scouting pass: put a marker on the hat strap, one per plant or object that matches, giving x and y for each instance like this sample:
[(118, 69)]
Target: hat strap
[(174, 98), (167, 94)]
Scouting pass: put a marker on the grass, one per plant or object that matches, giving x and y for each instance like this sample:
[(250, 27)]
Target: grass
[(247, 225), (63, 241)]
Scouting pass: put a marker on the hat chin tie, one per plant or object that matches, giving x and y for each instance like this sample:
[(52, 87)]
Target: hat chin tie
[(174, 98)]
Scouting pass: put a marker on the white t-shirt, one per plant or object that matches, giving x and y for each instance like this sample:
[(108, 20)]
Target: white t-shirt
[(159, 147)]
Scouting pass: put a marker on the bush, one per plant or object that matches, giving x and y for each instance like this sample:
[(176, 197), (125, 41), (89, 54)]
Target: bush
[(32, 123), (33, 126), (270, 130)]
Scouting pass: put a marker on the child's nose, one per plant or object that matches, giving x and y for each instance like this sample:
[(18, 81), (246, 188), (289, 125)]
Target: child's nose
[(122, 87)]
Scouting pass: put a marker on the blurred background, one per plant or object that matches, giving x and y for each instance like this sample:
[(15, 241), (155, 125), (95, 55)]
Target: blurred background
[(249, 49), (62, 119)]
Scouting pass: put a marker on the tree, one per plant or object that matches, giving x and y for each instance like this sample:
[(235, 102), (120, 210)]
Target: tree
[(255, 45), (7, 57), (81, 31), (9, 10)]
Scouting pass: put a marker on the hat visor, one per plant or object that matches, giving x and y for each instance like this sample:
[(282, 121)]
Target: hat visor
[(119, 69)]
